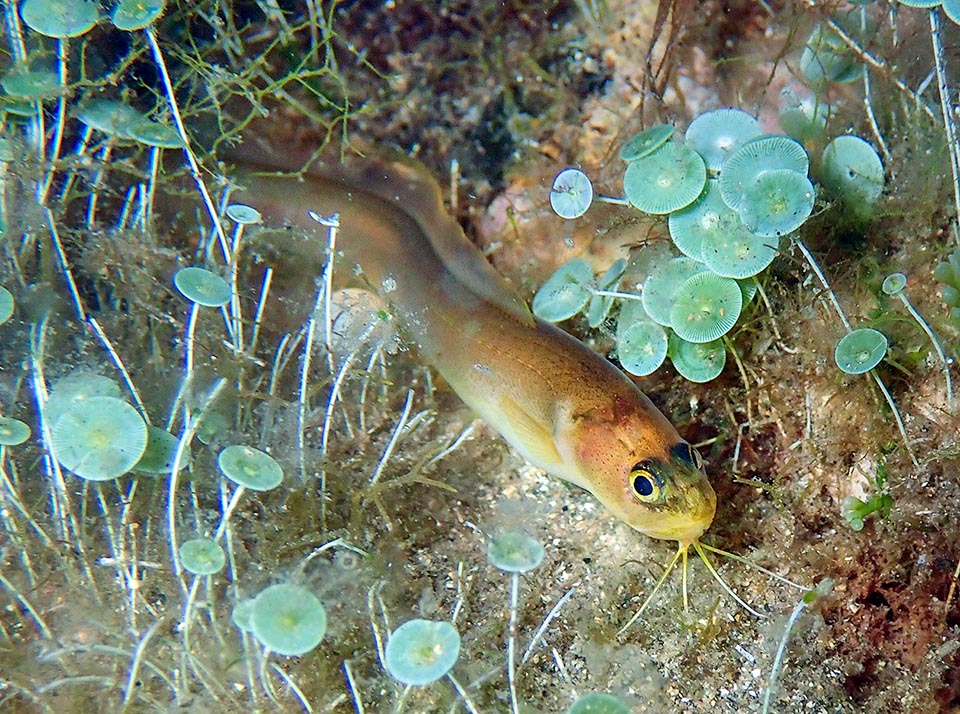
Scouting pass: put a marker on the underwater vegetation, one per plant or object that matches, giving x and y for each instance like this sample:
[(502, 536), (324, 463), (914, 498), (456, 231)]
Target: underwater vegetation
[(227, 482), (731, 192)]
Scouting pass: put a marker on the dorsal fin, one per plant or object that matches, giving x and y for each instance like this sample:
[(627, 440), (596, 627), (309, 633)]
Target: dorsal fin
[(405, 183), (410, 186)]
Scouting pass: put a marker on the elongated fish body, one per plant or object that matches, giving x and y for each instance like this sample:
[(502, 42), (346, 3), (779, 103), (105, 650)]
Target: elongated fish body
[(565, 408)]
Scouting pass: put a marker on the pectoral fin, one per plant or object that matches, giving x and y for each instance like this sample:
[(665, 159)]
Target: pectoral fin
[(530, 436)]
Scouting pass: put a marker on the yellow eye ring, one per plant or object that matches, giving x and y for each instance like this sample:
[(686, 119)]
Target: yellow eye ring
[(646, 486)]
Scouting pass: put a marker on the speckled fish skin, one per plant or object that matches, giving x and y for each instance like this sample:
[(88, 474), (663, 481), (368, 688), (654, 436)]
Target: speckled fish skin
[(565, 408)]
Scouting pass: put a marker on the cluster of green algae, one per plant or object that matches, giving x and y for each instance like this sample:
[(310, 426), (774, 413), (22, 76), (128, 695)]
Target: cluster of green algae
[(732, 193), (211, 605)]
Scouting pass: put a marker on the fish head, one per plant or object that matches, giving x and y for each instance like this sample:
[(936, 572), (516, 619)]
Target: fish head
[(637, 465)]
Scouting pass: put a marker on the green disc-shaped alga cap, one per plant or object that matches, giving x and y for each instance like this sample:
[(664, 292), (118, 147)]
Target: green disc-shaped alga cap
[(514, 552), (646, 142), (288, 619), (17, 109), (803, 119), (661, 285), (420, 652), (697, 362), (852, 170), (202, 286), (6, 305), (242, 615), (152, 133), (250, 468), (715, 134), (31, 84), (130, 15), (732, 251), (642, 347), (894, 283), (631, 311), (852, 511), (710, 231), (765, 153), (202, 556), (565, 293), (951, 8), (598, 703), (160, 453), (776, 203), (76, 387), (705, 307), (99, 438), (920, 3), (212, 425), (60, 18), (827, 58), (109, 116), (599, 306), (571, 193), (861, 350), (242, 214), (666, 180), (690, 225), (748, 286), (13, 431)]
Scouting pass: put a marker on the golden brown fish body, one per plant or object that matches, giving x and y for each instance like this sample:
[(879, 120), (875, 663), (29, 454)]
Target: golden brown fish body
[(565, 408)]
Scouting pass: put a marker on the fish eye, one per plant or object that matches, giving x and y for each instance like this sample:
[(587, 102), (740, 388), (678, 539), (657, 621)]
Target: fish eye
[(646, 485)]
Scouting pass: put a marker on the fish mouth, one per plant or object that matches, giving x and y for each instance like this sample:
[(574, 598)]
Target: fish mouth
[(688, 516), (684, 528)]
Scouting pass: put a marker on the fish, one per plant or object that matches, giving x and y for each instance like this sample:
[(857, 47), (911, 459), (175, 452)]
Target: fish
[(564, 407)]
